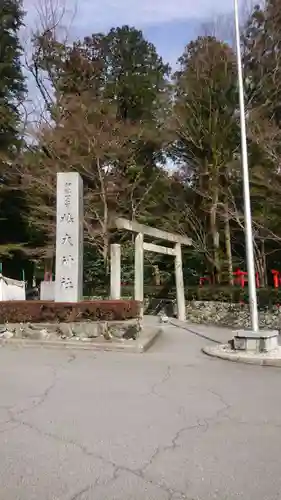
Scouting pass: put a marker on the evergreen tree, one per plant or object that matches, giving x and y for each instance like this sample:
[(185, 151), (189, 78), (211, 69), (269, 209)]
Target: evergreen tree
[(206, 137), (12, 85), (12, 90)]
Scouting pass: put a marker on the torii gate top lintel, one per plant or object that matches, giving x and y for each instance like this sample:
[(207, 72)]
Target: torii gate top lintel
[(136, 227)]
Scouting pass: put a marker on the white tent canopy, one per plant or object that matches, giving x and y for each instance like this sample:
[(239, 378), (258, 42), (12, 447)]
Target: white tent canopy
[(11, 289)]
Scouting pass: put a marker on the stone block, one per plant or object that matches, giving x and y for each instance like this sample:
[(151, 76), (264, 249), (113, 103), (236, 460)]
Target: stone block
[(262, 341), (34, 332), (125, 331), (15, 328), (7, 334), (84, 329), (269, 343), (245, 343), (47, 290), (252, 344)]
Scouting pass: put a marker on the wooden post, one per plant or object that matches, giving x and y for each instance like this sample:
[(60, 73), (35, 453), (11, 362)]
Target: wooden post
[(179, 283), (115, 272), (139, 270)]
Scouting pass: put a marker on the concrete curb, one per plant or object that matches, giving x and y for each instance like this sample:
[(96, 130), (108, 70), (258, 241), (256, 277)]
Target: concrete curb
[(139, 346), (262, 359)]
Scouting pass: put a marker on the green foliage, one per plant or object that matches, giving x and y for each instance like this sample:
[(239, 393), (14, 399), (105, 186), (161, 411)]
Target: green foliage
[(11, 77), (116, 118), (267, 297), (12, 90), (206, 101), (134, 73), (120, 66), (262, 58)]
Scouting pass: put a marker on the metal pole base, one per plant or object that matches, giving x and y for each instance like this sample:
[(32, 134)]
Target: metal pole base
[(261, 341)]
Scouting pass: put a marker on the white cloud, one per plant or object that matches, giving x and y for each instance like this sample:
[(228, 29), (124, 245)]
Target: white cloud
[(147, 11), (106, 13)]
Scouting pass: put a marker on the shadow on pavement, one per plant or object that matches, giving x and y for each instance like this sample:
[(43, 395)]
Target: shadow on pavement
[(201, 335)]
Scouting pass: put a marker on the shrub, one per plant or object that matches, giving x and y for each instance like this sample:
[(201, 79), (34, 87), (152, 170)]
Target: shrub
[(267, 297), (37, 311), (234, 294)]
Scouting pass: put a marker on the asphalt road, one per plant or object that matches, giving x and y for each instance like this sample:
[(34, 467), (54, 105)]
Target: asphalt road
[(170, 424)]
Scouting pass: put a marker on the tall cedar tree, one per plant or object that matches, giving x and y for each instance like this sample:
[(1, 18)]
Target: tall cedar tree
[(206, 136), (262, 63), (122, 68), (12, 90), (12, 85)]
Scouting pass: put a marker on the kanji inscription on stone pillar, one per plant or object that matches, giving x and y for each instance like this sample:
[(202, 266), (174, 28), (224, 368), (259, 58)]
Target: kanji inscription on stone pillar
[(69, 238)]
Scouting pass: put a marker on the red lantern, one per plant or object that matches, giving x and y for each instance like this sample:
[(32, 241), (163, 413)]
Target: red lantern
[(240, 277), (203, 279), (276, 278)]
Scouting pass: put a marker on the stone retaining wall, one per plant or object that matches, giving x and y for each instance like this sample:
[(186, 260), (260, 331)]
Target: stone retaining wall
[(85, 331), (230, 315)]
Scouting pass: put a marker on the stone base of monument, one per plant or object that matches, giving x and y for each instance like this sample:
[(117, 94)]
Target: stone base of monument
[(97, 324), (127, 336), (47, 290), (261, 348)]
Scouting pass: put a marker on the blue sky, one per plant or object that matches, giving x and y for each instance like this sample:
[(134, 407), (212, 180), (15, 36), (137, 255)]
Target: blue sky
[(169, 24), (170, 37)]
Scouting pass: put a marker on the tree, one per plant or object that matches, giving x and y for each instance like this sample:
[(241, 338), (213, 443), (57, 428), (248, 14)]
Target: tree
[(261, 42), (262, 60), (119, 65), (207, 135), (12, 87), (114, 85), (262, 63), (121, 68), (12, 92), (86, 139)]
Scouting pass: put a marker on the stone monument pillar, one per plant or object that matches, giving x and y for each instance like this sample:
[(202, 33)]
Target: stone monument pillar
[(115, 271), (139, 271), (69, 238), (179, 283)]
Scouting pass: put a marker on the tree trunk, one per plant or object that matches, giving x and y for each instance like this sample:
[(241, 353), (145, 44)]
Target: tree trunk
[(104, 221), (215, 235), (157, 275), (264, 264), (227, 236), (259, 265)]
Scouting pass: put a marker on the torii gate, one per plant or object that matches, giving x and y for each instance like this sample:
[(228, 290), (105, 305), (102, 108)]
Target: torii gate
[(140, 246)]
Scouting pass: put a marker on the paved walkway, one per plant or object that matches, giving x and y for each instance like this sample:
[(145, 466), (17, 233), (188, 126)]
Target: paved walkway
[(170, 424)]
